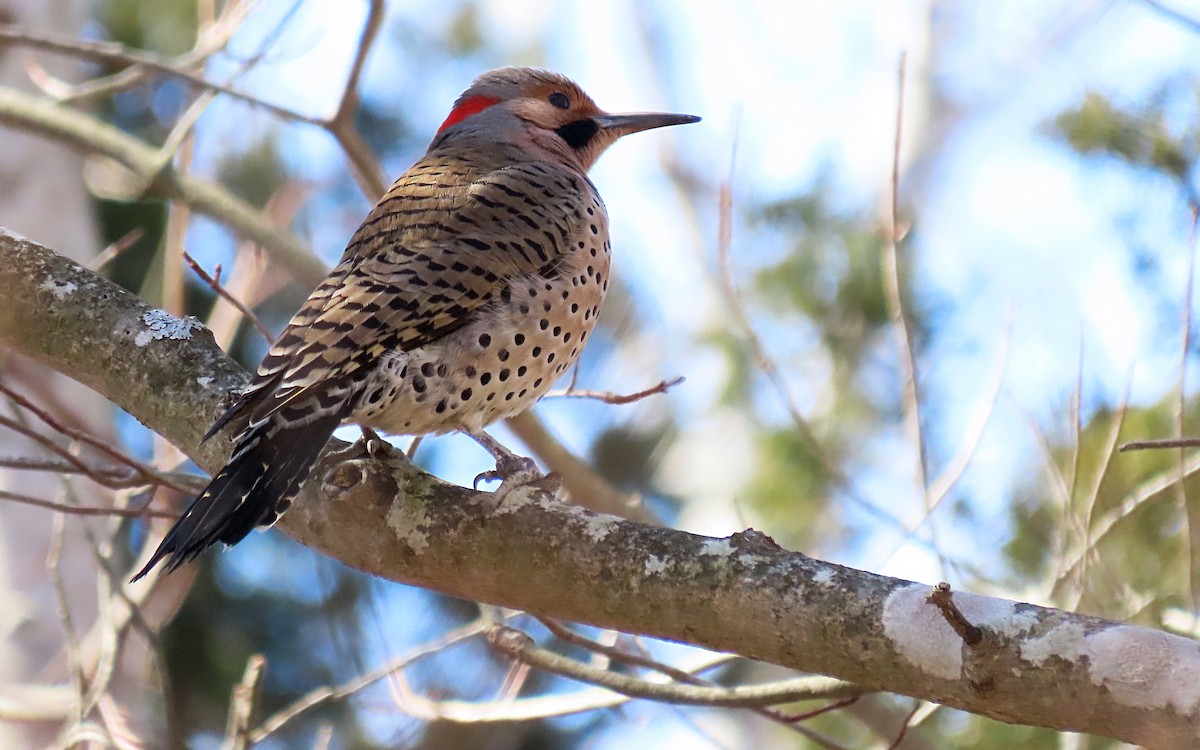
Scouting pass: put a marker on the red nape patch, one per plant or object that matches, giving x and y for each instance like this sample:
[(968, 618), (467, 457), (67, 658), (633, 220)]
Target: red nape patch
[(472, 105)]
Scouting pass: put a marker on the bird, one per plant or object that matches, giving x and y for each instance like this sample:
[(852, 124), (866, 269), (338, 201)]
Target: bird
[(467, 291)]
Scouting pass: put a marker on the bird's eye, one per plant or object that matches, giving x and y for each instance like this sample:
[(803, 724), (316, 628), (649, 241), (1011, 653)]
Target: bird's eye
[(560, 100)]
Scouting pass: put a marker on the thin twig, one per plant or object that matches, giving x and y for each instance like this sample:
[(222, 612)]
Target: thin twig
[(119, 54), (1143, 445), (324, 694), (1093, 496), (214, 283), (519, 645), (679, 675), (942, 598), (151, 475), (113, 477), (1190, 514), (126, 241), (241, 705), (70, 634), (341, 125), (616, 399), (904, 727), (86, 510), (895, 300)]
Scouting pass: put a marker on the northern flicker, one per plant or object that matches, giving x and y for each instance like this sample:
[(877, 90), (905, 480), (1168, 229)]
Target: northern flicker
[(471, 286)]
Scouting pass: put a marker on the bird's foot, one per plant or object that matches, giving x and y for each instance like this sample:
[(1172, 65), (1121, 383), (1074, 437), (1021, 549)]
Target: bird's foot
[(516, 473), (375, 446), (511, 469), (370, 445)]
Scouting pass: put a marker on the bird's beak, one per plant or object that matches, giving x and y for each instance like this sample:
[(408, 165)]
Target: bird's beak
[(634, 123)]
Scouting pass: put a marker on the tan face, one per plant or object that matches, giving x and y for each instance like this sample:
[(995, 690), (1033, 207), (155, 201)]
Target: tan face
[(562, 119)]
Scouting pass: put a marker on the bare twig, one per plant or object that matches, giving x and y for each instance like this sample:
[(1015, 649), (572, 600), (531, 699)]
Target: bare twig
[(904, 727), (119, 54), (126, 241), (520, 646), (1191, 514), (943, 599), (1101, 472), (241, 705), (895, 300), (214, 283), (325, 694), (113, 477), (1142, 445), (152, 476), (679, 675), (86, 510), (86, 133), (341, 125), (616, 399), (70, 634)]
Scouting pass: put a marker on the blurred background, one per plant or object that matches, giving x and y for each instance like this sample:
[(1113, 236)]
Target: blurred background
[(1045, 212)]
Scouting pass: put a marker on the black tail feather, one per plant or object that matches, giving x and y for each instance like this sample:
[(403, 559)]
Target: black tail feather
[(253, 489)]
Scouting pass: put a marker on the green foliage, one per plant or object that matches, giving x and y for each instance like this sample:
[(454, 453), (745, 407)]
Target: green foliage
[(1140, 136), (167, 27)]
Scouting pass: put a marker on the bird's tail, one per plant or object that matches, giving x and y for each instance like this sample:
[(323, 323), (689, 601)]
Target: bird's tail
[(255, 487)]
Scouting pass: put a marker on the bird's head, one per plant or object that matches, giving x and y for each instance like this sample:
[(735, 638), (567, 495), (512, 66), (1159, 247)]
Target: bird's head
[(543, 113)]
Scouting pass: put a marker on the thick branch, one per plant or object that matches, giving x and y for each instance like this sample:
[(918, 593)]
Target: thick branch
[(742, 594)]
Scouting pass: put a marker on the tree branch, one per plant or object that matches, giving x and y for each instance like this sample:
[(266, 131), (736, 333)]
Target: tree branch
[(156, 178), (741, 594)]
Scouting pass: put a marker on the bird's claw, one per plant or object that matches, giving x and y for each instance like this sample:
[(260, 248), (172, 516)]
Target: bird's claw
[(510, 468)]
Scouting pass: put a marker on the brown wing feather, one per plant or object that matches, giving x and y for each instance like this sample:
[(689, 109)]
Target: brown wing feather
[(444, 239)]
